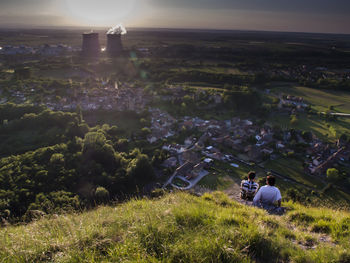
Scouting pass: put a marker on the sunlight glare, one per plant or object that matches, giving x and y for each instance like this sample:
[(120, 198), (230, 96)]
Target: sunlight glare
[(101, 12)]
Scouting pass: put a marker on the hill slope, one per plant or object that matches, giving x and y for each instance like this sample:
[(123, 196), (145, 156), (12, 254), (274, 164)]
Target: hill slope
[(182, 228)]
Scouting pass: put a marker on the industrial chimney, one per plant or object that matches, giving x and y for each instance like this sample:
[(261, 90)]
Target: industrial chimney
[(91, 44), (114, 40), (114, 44)]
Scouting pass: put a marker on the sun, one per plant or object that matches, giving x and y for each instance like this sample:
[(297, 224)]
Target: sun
[(100, 12)]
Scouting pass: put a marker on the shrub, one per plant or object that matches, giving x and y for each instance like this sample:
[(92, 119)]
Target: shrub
[(293, 120), (321, 226), (157, 193), (101, 195), (327, 188), (262, 181), (294, 195), (332, 174), (300, 217)]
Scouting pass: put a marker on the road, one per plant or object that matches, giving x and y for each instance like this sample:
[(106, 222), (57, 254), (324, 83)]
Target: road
[(339, 114), (191, 183)]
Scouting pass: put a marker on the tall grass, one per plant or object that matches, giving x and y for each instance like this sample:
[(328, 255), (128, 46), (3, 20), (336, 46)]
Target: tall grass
[(182, 228)]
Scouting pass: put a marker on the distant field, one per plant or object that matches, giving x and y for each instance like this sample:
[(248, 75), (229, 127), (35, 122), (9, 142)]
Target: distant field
[(328, 131), (294, 169), (223, 176), (213, 69), (207, 88), (129, 123), (63, 74), (319, 99)]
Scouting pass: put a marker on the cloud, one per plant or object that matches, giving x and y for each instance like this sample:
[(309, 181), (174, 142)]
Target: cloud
[(30, 20), (304, 6), (25, 4)]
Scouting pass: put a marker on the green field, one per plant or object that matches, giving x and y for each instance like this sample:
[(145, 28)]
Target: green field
[(222, 176), (328, 131), (320, 100), (212, 69), (293, 168), (126, 121), (62, 74)]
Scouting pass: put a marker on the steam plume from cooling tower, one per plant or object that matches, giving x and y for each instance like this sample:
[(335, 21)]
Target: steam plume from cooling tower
[(114, 40), (117, 30)]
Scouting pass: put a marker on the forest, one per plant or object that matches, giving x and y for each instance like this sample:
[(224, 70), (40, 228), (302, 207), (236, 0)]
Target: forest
[(70, 166)]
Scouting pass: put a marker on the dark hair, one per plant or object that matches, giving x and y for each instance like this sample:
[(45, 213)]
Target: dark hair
[(251, 175), (270, 179)]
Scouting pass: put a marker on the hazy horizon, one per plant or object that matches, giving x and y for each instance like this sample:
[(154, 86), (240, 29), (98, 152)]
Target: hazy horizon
[(312, 16)]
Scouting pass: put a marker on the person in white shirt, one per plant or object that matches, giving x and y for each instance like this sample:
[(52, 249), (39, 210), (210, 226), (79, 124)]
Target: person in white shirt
[(249, 187), (269, 197)]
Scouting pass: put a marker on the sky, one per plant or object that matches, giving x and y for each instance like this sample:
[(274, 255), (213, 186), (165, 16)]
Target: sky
[(325, 16)]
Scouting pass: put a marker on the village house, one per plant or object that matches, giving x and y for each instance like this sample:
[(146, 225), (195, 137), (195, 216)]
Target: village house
[(184, 170), (190, 156), (170, 162)]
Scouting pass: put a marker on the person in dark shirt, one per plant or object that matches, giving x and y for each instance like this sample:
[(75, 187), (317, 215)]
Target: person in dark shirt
[(249, 187)]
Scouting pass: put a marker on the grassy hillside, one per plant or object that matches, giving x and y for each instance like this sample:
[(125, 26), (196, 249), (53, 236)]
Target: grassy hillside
[(182, 228)]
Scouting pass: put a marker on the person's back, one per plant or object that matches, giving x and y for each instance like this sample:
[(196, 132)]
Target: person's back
[(249, 187), (269, 197), (268, 194)]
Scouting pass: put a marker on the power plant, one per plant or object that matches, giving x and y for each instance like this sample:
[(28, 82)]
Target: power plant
[(114, 44), (114, 40), (91, 44)]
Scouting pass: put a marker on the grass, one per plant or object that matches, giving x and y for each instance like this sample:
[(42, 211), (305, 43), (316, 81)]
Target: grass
[(320, 99), (222, 176), (128, 122), (294, 169), (62, 74), (211, 69), (328, 131), (182, 228)]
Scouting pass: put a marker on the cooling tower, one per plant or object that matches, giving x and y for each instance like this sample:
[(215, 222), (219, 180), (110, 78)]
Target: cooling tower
[(114, 44), (91, 44)]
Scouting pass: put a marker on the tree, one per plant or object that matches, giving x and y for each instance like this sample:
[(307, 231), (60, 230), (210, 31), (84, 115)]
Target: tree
[(343, 138), (261, 78), (293, 119), (145, 131), (122, 145), (140, 169), (23, 73), (57, 159), (332, 174), (144, 122), (101, 195), (187, 99), (307, 136), (96, 148)]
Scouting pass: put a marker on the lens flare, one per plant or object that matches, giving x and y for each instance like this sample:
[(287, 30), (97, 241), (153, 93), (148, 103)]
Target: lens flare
[(100, 12)]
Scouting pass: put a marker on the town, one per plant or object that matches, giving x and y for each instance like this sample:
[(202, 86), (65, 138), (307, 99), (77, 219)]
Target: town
[(201, 115)]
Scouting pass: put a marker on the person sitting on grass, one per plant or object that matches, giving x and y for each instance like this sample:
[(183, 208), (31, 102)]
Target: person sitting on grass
[(249, 187), (269, 197)]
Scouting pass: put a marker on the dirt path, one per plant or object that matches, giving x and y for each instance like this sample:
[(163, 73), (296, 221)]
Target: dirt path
[(234, 192)]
